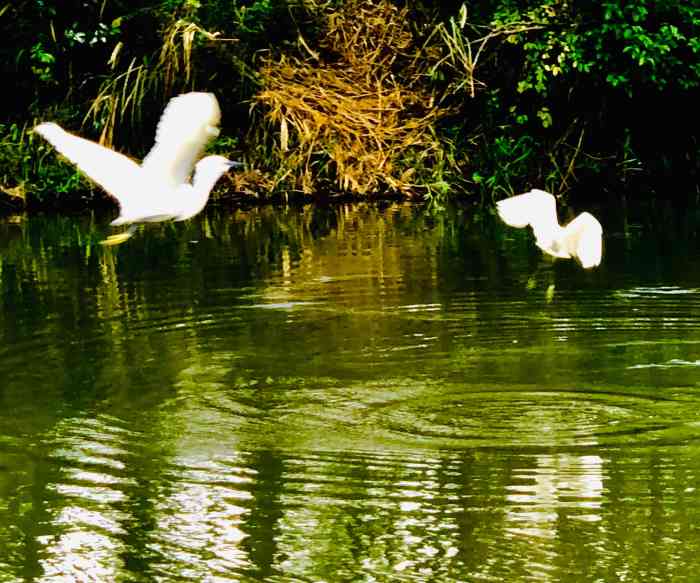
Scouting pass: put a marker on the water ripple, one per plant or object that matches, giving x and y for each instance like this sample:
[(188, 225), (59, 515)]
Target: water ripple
[(410, 414)]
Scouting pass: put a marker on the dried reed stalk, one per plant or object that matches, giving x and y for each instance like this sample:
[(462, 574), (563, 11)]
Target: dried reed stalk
[(361, 121), (121, 96)]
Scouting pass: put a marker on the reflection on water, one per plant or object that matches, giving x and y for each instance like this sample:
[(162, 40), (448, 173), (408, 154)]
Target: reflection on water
[(348, 393)]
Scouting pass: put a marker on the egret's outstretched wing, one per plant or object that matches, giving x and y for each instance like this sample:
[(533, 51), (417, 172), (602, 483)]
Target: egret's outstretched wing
[(117, 174), (188, 123), (584, 236), (536, 207), (159, 189), (581, 238)]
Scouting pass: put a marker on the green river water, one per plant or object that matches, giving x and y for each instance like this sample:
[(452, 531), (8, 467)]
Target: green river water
[(348, 393)]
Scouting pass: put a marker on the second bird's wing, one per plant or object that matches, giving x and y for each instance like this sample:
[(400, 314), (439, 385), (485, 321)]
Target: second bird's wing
[(116, 173), (536, 207), (584, 236), (188, 123)]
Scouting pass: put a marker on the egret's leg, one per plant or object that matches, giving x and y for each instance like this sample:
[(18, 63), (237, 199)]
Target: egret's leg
[(121, 237)]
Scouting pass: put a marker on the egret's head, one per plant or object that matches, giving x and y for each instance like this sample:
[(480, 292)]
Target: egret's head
[(212, 167), (206, 173)]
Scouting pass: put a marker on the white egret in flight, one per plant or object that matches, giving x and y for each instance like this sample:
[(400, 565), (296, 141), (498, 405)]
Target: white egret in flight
[(158, 189), (581, 239)]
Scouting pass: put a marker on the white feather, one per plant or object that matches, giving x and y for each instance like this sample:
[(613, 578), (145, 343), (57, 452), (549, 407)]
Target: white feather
[(159, 189), (188, 123), (581, 239)]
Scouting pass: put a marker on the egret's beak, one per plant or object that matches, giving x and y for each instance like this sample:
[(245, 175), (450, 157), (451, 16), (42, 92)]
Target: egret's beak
[(234, 164)]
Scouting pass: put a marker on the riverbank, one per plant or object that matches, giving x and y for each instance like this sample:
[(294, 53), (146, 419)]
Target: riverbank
[(366, 99)]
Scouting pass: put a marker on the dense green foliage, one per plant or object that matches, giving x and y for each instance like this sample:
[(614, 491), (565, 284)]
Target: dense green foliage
[(605, 89), (556, 94)]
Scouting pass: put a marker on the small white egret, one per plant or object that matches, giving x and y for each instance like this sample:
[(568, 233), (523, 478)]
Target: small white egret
[(159, 188), (581, 239)]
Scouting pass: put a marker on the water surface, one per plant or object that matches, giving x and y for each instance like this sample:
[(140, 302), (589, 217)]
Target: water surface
[(349, 393)]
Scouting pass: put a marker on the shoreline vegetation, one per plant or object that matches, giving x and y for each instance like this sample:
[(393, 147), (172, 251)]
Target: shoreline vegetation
[(355, 99)]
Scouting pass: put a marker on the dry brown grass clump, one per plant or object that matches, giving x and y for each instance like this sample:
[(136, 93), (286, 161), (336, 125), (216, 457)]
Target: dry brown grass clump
[(364, 118)]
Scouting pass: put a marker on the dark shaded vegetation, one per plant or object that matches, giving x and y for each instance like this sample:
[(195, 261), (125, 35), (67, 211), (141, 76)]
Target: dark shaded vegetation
[(420, 99)]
